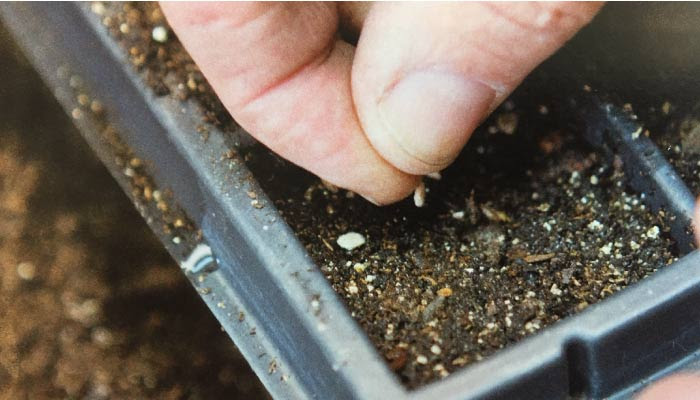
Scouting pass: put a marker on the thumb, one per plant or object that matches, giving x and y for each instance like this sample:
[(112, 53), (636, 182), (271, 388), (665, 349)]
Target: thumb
[(285, 77), (425, 75)]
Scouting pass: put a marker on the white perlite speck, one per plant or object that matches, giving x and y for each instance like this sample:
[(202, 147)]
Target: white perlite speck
[(458, 215), (555, 290), (350, 240), (595, 225), (635, 134), (160, 34), (359, 267), (653, 232)]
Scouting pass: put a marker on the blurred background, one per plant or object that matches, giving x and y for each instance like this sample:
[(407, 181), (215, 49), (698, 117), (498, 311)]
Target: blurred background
[(91, 305)]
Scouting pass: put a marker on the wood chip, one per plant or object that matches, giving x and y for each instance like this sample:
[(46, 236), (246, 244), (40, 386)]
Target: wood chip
[(535, 258)]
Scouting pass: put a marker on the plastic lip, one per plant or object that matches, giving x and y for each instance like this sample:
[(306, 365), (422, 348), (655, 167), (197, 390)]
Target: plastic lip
[(264, 281)]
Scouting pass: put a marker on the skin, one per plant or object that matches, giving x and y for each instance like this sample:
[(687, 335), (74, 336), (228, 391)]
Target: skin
[(349, 113), (401, 103)]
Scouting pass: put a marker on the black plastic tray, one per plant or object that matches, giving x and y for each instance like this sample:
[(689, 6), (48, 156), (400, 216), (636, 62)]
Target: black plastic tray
[(272, 299)]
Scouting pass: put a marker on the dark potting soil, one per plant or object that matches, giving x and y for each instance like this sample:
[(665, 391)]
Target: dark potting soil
[(527, 227), (674, 125), (677, 133)]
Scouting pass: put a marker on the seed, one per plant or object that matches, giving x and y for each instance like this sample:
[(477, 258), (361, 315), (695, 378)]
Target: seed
[(419, 195), (445, 292), (160, 34), (434, 175), (350, 240)]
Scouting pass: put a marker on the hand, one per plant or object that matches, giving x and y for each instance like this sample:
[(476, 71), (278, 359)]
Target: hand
[(375, 117), (677, 387)]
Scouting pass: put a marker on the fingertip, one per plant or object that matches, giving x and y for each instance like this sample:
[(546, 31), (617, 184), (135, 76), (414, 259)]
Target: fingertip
[(381, 185), (425, 76), (425, 119)]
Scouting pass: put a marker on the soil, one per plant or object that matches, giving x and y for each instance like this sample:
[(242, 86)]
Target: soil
[(527, 227), (91, 305), (522, 231), (676, 130)]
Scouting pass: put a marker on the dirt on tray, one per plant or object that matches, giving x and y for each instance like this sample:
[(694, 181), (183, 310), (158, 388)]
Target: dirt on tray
[(522, 231), (91, 305), (676, 130), (528, 227)]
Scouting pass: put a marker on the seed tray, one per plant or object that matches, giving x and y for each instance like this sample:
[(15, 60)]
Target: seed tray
[(274, 302)]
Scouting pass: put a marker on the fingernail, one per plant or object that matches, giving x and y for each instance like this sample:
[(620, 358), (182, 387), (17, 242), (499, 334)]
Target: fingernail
[(430, 114), (371, 200)]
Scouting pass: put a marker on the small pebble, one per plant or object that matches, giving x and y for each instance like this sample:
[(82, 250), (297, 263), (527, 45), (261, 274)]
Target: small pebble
[(350, 240), (421, 359), (435, 349), (445, 292), (594, 180)]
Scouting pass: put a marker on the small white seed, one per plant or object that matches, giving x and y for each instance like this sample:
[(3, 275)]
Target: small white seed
[(419, 195), (160, 34)]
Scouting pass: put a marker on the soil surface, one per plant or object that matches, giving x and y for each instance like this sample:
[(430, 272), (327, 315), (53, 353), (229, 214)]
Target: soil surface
[(676, 130), (522, 231), (91, 306), (527, 227)]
